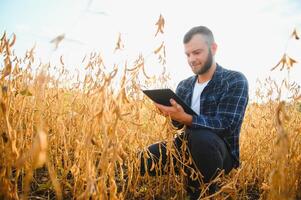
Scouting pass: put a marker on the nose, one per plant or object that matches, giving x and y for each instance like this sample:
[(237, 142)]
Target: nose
[(191, 59)]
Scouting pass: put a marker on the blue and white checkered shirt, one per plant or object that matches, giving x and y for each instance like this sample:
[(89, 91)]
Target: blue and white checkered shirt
[(222, 105)]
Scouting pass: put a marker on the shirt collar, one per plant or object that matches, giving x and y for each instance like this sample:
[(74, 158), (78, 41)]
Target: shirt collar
[(217, 75)]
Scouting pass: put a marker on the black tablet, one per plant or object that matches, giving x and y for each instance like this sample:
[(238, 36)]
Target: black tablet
[(163, 96)]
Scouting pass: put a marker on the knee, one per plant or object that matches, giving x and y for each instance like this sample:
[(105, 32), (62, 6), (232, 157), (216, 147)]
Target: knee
[(204, 140), (205, 153)]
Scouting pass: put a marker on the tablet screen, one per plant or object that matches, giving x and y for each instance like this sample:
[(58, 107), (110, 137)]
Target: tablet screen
[(163, 96)]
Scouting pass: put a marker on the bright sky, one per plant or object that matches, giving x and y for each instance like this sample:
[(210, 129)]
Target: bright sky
[(252, 35)]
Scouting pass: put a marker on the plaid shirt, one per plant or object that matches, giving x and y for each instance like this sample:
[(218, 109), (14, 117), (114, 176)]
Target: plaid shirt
[(222, 105)]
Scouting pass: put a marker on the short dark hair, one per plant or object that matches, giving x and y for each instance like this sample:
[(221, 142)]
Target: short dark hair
[(203, 30)]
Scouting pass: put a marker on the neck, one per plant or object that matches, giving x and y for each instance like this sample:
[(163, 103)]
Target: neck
[(208, 75)]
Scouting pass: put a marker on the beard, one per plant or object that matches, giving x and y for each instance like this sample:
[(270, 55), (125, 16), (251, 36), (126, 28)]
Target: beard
[(207, 65)]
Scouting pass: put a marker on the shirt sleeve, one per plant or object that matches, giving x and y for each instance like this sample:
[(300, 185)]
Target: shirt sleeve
[(231, 107)]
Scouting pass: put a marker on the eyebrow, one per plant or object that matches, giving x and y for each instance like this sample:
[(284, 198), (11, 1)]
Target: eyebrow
[(194, 51)]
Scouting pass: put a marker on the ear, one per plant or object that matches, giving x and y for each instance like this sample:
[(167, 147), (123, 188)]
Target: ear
[(213, 48)]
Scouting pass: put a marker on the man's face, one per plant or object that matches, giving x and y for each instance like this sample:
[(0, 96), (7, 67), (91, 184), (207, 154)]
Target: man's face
[(199, 55)]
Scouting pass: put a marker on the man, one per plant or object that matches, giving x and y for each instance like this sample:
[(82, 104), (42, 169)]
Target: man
[(220, 97)]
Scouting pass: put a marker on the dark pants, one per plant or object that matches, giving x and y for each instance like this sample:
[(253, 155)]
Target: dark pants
[(208, 151)]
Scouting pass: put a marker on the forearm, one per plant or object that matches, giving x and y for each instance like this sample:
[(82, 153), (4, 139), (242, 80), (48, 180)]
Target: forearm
[(184, 119), (187, 119)]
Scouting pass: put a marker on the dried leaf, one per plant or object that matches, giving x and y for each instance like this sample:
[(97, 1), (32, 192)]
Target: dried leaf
[(159, 48), (26, 92), (61, 60), (160, 23), (119, 44), (84, 58), (57, 40), (265, 186), (13, 41), (8, 67), (285, 61), (39, 149), (3, 36), (295, 34), (291, 62)]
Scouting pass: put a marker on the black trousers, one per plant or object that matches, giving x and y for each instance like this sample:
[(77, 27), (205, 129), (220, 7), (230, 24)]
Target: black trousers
[(207, 150)]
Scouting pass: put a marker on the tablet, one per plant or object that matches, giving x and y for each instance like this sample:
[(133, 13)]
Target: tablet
[(162, 96)]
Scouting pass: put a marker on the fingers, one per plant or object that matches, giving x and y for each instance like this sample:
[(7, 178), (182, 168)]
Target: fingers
[(169, 110), (175, 104), (161, 108), (165, 110)]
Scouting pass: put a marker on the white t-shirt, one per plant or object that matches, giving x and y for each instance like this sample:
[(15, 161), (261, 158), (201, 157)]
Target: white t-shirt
[(196, 95)]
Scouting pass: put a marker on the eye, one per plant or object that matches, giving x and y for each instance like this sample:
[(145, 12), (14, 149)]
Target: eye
[(197, 52)]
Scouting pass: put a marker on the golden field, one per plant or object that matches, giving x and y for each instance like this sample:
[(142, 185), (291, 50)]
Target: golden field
[(82, 138)]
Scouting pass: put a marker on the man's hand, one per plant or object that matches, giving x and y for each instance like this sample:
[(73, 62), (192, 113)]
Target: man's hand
[(176, 112)]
